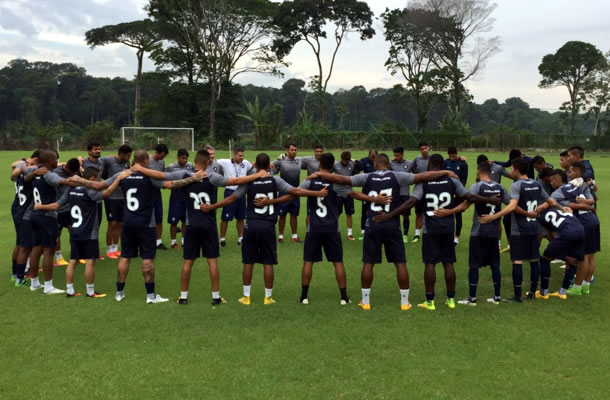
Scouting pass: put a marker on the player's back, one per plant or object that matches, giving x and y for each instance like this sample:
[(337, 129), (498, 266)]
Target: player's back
[(486, 189), (565, 224), (198, 193), (261, 218), (530, 192), (139, 200), (438, 194), (323, 212), (82, 203), (44, 191), (569, 193), (380, 183)]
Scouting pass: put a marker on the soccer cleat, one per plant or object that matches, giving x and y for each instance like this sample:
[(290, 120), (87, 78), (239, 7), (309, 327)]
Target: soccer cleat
[(574, 291), (96, 295), (182, 301), (101, 258), (23, 283), (296, 240), (530, 296), (82, 261), (239, 242), (405, 307), (61, 262), (118, 253), (428, 305), (157, 299), (586, 289), (112, 255), (54, 291), (405, 239), (350, 237), (161, 246), (345, 302), (513, 300), (556, 261), (13, 279), (119, 297), (361, 237), (467, 302), (245, 300), (541, 296), (415, 239), (505, 250), (268, 301), (280, 240), (304, 301), (175, 246), (557, 294), (365, 306), (450, 303), (494, 300), (75, 294), (35, 287), (219, 301), (223, 243)]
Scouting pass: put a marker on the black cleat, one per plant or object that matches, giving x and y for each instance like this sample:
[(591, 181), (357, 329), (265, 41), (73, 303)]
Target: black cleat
[(223, 243), (513, 300), (161, 247), (182, 301), (530, 296), (219, 301)]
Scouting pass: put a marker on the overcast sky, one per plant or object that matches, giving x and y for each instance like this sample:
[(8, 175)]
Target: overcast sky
[(53, 30)]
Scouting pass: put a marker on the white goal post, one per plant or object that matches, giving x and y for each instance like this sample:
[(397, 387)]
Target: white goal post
[(156, 128)]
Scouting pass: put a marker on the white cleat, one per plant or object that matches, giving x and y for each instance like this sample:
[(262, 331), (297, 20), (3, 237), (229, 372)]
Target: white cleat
[(305, 301), (157, 299), (54, 291), (119, 297), (34, 288), (345, 302), (467, 302), (493, 301)]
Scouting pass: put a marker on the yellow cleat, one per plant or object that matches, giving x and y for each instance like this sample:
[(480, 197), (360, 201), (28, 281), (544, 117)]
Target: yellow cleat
[(245, 300), (405, 307), (557, 294), (365, 306), (82, 261), (61, 262), (540, 296), (505, 250), (428, 305), (268, 300)]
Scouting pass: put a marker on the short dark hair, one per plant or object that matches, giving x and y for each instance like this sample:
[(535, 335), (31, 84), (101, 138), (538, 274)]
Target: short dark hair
[(327, 161), (579, 166), (435, 162), (577, 151), (161, 148), (484, 167), (290, 144), (125, 149), (514, 153), (482, 158), (520, 164), (318, 146), (263, 161), (538, 160), (36, 154), (73, 165), (399, 150), (346, 155), (563, 154), (382, 159), (423, 144), (452, 150), (238, 149), (202, 157), (371, 151), (561, 173), (90, 172), (546, 173), (183, 152), (91, 145)]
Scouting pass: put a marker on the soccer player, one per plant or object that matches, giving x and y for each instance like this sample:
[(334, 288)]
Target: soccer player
[(289, 169), (366, 165), (460, 167), (482, 247), (157, 163), (564, 163), (177, 199), (312, 163), (526, 196), (540, 164), (82, 203), (420, 165), (346, 167), (516, 153), (437, 246), (259, 245), (234, 168), (94, 153), (497, 171), (400, 164), (64, 220), (213, 165), (138, 233), (576, 154), (383, 231), (115, 204)]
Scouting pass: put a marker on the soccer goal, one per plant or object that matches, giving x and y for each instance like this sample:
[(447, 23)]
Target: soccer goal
[(146, 137)]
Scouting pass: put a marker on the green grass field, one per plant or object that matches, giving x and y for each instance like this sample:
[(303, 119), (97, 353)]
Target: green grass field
[(54, 347)]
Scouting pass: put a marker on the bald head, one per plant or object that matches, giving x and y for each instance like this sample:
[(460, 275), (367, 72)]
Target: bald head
[(141, 157)]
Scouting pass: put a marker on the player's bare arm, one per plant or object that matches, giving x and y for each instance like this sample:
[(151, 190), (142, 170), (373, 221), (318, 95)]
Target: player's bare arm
[(404, 207), (206, 208), (333, 178), (433, 175), (381, 199), (242, 180), (265, 201), (485, 219), (180, 183), (151, 173), (445, 212), (111, 189)]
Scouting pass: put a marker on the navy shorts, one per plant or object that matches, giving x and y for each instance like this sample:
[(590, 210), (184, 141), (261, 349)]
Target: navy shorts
[(177, 212), (259, 247), (44, 231), (200, 242), (390, 239), (114, 209), (592, 239), (17, 221), (438, 248), (347, 204), (291, 207), (158, 208), (99, 214), (25, 237), (420, 206), (64, 220), (524, 247), (404, 199), (236, 210), (84, 249), (138, 242), (567, 245), (483, 251), (330, 241)]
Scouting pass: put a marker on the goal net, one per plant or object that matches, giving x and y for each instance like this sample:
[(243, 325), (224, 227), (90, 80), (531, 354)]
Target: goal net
[(144, 137)]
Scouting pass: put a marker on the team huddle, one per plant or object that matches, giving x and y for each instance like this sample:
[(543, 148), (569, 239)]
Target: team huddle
[(559, 206)]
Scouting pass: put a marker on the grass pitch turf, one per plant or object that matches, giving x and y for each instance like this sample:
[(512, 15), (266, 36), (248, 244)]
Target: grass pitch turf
[(59, 348)]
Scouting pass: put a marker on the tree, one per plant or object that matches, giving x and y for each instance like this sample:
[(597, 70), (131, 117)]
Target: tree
[(411, 54), (598, 96), (139, 35), (228, 38), (574, 65), (306, 20), (455, 31)]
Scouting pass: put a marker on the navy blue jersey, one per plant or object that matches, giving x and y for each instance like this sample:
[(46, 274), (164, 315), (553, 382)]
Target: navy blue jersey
[(567, 194), (139, 191), (263, 218), (44, 191), (202, 192), (377, 185), (438, 194), (323, 212), (529, 194), (23, 193), (487, 189), (563, 223), (83, 211)]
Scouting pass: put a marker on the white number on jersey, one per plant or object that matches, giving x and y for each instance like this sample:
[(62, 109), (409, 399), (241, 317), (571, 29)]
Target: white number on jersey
[(435, 202), (532, 205), (36, 195), (20, 195), (266, 209), (77, 216), (553, 218), (321, 211), (378, 207), (199, 199), (492, 208), (132, 202)]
